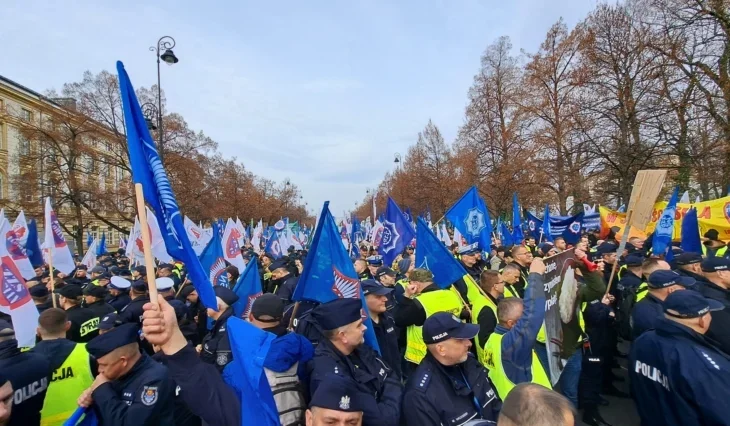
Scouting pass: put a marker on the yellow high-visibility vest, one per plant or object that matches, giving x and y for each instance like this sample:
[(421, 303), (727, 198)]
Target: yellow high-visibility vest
[(66, 385), (432, 302), (477, 305), (496, 369)]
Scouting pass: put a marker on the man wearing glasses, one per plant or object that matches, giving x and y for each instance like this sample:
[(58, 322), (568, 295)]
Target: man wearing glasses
[(484, 309), (522, 258)]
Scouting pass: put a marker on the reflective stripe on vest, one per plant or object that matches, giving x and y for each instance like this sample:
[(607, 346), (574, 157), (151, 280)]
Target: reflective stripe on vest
[(641, 292), (510, 291), (432, 302), (719, 253), (477, 306), (496, 370), (66, 385)]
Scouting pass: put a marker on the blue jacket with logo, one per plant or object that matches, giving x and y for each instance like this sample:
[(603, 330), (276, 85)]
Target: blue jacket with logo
[(436, 394), (28, 372), (678, 377)]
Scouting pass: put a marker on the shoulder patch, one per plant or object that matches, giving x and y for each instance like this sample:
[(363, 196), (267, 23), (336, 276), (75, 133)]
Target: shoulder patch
[(422, 380), (149, 395)]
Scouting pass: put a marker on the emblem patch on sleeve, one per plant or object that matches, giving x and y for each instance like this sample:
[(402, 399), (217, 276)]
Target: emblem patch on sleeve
[(149, 395)]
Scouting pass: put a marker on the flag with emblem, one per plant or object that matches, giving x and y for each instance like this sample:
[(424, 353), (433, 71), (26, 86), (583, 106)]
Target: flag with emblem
[(517, 235), (20, 227), (55, 243), (534, 225), (506, 235), (273, 247), (212, 260), (16, 252), (231, 245), (122, 243), (198, 238), (148, 170), (691, 232), (329, 273), (396, 235), (248, 288), (661, 244), (15, 298), (32, 248), (573, 229), (470, 217)]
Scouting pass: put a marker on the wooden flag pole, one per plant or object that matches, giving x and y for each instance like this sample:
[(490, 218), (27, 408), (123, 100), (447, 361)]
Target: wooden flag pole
[(146, 242), (50, 273), (621, 247)]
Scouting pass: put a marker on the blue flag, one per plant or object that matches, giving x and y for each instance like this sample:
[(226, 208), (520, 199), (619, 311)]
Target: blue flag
[(88, 414), (471, 217), (408, 215), (89, 239), (148, 170), (506, 235), (212, 260), (573, 229), (517, 235), (433, 255), (397, 233), (534, 226), (248, 288), (32, 249), (545, 231), (691, 232), (245, 374), (273, 247), (664, 230), (102, 245), (329, 273)]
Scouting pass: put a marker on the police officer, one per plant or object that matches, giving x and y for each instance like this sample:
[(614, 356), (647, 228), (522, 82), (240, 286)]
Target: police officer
[(677, 376), (216, 349), (168, 271), (118, 293), (361, 268), (484, 309), (69, 363), (196, 311), (376, 297), (95, 300), (6, 399), (282, 279), (28, 373), (690, 265), (41, 297), (342, 352), (717, 287), (422, 299), (132, 313), (336, 402), (631, 277), (386, 276), (108, 322), (374, 262), (131, 388), (84, 322), (449, 387), (647, 313)]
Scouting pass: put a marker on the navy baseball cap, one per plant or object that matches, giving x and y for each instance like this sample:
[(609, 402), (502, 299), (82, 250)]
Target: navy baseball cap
[(374, 287), (228, 296), (337, 313), (38, 290), (443, 326), (95, 291), (546, 247), (116, 338), (384, 270), (663, 279), (714, 264), (72, 291), (109, 321), (687, 258), (338, 393), (606, 248), (689, 304), (633, 260)]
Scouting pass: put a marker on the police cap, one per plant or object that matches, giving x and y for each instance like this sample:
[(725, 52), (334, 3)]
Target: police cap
[(383, 271), (689, 304), (338, 393), (39, 290), (375, 288), (186, 290), (714, 264), (164, 283), (268, 308), (443, 326), (663, 279), (337, 313), (226, 294), (95, 291), (115, 338), (469, 249), (119, 283), (375, 260), (109, 321), (687, 258), (71, 291), (633, 260), (98, 269), (278, 264), (606, 248)]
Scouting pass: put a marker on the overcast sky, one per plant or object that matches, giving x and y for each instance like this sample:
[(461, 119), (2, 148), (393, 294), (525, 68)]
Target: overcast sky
[(322, 92)]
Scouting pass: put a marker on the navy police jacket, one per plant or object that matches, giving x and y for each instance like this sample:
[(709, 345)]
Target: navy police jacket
[(679, 378), (454, 395), (144, 396), (28, 372), (646, 315)]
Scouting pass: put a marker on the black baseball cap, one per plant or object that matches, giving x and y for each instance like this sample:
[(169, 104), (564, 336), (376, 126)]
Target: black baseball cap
[(687, 258), (443, 326), (71, 291), (663, 279), (714, 264), (268, 305), (39, 290), (95, 291), (689, 304), (375, 288), (384, 270), (109, 321)]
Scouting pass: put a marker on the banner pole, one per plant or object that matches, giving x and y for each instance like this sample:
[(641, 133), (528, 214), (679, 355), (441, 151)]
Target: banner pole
[(146, 242), (621, 247), (53, 278)]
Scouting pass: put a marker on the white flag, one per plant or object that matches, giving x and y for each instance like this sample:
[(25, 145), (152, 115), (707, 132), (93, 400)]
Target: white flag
[(158, 243), (376, 233), (457, 237), (241, 231), (198, 238), (90, 257), (231, 248), (20, 227), (131, 251), (55, 244), (16, 251), (445, 235), (685, 198), (256, 236)]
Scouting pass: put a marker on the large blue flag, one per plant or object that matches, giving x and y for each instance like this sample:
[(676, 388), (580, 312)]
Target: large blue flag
[(691, 232), (507, 240), (148, 170), (102, 245), (534, 226), (250, 346), (329, 273), (82, 417), (32, 249), (662, 241), (433, 255), (471, 217), (397, 233), (517, 235), (212, 260), (248, 289), (573, 230), (545, 231), (273, 247)]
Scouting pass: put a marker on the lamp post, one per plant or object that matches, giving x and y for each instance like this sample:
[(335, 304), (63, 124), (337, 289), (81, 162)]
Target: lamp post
[(151, 115), (164, 45)]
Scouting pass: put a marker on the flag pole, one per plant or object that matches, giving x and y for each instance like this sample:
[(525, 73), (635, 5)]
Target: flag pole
[(293, 315), (53, 278), (146, 242), (621, 247)]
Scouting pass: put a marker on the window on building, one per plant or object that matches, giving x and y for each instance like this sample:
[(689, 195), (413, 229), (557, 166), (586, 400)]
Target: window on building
[(23, 145), (26, 114)]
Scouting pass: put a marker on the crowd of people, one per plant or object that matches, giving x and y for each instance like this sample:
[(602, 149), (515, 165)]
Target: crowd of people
[(446, 356)]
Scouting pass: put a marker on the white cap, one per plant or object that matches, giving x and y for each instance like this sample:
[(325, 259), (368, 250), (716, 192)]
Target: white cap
[(120, 283), (164, 283)]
